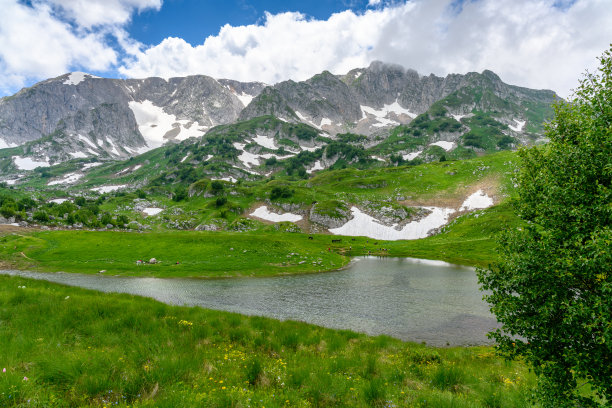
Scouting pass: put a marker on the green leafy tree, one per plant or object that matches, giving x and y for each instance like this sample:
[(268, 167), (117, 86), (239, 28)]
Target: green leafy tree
[(180, 193), (552, 288)]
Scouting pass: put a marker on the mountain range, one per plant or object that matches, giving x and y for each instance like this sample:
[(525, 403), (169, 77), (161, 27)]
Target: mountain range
[(382, 113)]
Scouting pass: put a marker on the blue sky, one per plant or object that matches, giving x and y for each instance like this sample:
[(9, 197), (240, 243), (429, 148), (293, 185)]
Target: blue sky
[(195, 20), (534, 43)]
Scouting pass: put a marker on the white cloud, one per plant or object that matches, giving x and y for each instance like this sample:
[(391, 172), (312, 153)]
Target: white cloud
[(286, 45), (51, 37), (534, 43), (90, 13), (34, 44), (527, 42)]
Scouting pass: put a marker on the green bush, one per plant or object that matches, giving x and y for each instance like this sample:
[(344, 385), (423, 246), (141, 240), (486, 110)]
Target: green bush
[(41, 216)]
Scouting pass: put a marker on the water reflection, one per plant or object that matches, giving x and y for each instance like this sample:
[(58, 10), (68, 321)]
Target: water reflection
[(409, 299)]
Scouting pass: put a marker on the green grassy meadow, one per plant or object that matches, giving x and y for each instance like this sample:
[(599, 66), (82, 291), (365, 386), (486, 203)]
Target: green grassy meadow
[(70, 347), (468, 240)]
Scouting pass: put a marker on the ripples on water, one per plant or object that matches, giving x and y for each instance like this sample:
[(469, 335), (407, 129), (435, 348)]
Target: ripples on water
[(416, 300)]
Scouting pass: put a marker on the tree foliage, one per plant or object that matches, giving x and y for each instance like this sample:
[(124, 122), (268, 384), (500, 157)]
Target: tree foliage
[(552, 288)]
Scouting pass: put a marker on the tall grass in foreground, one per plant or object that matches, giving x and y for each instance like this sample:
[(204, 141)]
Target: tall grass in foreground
[(64, 347)]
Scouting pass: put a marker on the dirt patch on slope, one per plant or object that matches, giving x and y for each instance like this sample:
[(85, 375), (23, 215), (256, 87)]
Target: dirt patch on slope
[(490, 186)]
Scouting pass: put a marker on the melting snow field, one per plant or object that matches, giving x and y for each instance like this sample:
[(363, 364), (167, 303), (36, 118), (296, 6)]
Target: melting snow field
[(4, 145), (263, 213), (381, 114), (108, 189), (90, 165), (325, 121), (244, 98), (89, 142), (519, 125), (249, 159), (25, 163), (316, 166), (68, 179), (310, 149), (78, 155), (411, 156), (76, 78), (364, 225), (59, 200), (265, 141), (230, 179), (152, 210), (245, 157), (478, 200), (11, 182), (443, 144), (154, 124)]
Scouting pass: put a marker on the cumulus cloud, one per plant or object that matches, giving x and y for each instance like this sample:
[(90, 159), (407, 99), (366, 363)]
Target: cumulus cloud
[(90, 13), (534, 43), (48, 38), (287, 45)]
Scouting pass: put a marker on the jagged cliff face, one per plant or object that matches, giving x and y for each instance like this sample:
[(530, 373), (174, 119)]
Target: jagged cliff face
[(382, 96), (82, 116), (118, 118)]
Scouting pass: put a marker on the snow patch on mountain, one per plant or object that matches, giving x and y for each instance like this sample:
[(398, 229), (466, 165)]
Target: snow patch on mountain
[(443, 144), (27, 163), (230, 179), (5, 145), (157, 126), (11, 182), (325, 121), (152, 210), (263, 213), (75, 78), (317, 166), (411, 156), (364, 225), (382, 115), (519, 125), (69, 178), (108, 189), (309, 148), (78, 155), (478, 200), (245, 98), (306, 120), (248, 158), (265, 141), (86, 140), (245, 157), (90, 165)]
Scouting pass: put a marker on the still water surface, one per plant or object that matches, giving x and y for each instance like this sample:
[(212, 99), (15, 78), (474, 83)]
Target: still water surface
[(416, 300)]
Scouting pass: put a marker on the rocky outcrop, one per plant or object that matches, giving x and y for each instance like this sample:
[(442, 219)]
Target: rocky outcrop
[(107, 117), (330, 218)]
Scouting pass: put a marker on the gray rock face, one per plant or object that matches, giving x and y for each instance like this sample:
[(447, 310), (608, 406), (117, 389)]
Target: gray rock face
[(341, 217), (381, 96), (81, 116), (76, 106)]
